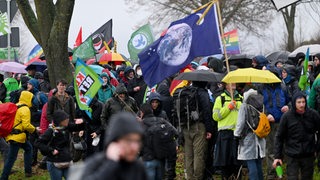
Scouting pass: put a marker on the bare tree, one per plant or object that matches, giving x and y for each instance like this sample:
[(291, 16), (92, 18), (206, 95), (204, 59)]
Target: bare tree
[(50, 27), (249, 15)]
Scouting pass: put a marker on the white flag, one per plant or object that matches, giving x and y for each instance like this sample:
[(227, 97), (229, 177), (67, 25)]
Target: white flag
[(279, 4), (4, 26)]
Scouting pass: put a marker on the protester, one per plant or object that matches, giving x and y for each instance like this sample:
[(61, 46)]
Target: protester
[(156, 105), (225, 112), (119, 160), (196, 134), (18, 138), (55, 144), (106, 91), (120, 101), (251, 147), (128, 75), (259, 62), (296, 136), (316, 61), (10, 84), (137, 86), (288, 76), (163, 89), (61, 100)]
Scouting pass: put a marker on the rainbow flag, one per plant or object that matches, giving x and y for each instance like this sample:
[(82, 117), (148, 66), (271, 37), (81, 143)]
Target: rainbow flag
[(35, 52), (231, 39)]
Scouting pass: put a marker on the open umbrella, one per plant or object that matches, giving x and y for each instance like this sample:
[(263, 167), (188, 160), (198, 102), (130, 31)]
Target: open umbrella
[(12, 67), (111, 57), (200, 75), (244, 75), (240, 60), (36, 61), (90, 61), (314, 49), (96, 68), (278, 56)]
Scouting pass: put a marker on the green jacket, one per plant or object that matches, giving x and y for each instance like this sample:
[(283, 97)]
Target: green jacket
[(227, 119), (313, 93), (11, 85)]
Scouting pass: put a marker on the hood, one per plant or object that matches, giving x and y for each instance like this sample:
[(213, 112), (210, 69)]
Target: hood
[(297, 95), (135, 67), (261, 61), (26, 98), (153, 96), (249, 93), (121, 88), (35, 84), (216, 64), (120, 125), (127, 70)]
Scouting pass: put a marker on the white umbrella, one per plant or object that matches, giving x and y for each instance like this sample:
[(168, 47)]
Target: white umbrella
[(314, 49), (13, 67)]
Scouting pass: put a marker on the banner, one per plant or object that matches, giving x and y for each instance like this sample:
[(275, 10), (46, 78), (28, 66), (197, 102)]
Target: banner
[(180, 44), (86, 85), (4, 26), (140, 39), (84, 51), (231, 39)]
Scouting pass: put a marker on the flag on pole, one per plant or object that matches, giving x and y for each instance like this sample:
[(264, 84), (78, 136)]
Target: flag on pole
[(86, 85), (79, 39), (4, 26), (231, 39), (35, 52), (303, 80), (182, 42), (84, 51), (140, 39), (279, 4), (104, 33)]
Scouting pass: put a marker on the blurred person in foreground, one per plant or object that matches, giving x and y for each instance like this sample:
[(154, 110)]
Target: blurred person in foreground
[(122, 146)]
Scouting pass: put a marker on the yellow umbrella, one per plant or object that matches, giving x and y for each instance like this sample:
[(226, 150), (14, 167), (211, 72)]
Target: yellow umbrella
[(244, 75)]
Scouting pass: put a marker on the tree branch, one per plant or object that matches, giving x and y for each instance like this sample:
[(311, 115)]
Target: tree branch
[(30, 19)]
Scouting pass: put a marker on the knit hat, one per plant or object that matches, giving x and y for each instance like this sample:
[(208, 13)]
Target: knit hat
[(122, 124), (59, 116), (104, 75)]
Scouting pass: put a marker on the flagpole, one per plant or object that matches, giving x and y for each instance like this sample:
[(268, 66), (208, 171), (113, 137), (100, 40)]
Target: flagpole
[(223, 42), (9, 33)]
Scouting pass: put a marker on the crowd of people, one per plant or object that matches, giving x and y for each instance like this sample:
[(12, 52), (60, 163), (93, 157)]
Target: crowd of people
[(117, 141)]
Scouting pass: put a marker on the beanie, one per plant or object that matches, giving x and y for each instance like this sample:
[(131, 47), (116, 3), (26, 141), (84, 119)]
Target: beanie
[(59, 116)]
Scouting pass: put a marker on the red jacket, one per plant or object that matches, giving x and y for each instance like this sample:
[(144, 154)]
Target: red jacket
[(44, 123)]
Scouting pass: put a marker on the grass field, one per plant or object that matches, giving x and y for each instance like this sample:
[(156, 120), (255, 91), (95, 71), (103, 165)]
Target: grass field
[(39, 174)]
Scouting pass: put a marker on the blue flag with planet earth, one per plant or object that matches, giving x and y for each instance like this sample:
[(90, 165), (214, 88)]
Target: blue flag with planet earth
[(180, 44)]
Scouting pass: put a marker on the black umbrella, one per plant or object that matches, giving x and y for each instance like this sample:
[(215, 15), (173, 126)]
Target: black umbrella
[(201, 75), (278, 56)]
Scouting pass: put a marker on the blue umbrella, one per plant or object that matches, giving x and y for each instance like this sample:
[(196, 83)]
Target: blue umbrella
[(96, 68)]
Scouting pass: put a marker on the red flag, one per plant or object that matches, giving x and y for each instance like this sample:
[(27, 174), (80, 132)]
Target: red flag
[(79, 39)]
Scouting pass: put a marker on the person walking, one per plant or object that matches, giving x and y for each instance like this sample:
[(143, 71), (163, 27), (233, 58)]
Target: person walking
[(296, 136), (18, 138), (251, 148)]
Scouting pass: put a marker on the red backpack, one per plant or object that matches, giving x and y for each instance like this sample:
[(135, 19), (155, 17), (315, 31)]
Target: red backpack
[(7, 115)]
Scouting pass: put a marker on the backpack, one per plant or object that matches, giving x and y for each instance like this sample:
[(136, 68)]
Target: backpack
[(162, 136), (259, 122), (186, 105), (7, 116), (15, 95)]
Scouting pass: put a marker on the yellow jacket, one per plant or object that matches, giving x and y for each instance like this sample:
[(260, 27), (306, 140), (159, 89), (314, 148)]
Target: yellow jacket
[(22, 118)]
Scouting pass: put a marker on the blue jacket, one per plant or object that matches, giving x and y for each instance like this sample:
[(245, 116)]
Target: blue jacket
[(39, 98), (274, 99)]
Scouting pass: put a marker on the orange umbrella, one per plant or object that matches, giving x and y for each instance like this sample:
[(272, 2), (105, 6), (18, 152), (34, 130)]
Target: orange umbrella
[(111, 57)]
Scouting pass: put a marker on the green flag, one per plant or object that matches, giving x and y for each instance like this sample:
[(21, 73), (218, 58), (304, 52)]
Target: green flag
[(140, 39), (86, 85), (4, 26), (84, 51)]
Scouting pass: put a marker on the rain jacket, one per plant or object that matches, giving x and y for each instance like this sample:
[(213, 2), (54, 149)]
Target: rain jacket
[(114, 105), (313, 94), (297, 132), (22, 118), (157, 112), (11, 84), (250, 146), (67, 105), (226, 118)]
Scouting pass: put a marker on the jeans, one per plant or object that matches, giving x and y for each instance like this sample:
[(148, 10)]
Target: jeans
[(255, 169), (154, 169), (56, 173), (12, 156)]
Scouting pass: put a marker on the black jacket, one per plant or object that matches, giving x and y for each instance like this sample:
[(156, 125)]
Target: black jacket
[(297, 132), (137, 95), (94, 123), (67, 105), (99, 167), (59, 140), (166, 98)]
